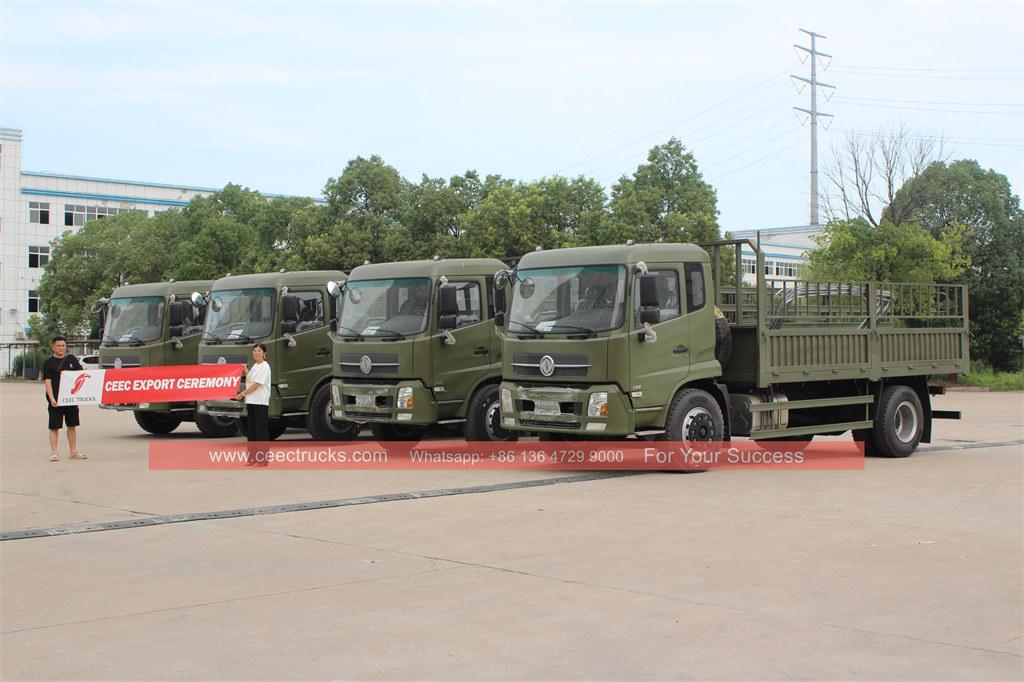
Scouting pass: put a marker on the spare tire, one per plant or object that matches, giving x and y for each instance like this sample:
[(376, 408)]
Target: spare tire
[(723, 340)]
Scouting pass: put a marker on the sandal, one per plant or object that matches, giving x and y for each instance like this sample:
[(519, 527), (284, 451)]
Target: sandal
[(78, 455), (54, 457)]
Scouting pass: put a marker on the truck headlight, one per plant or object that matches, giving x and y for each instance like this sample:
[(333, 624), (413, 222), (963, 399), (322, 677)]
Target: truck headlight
[(598, 404), (506, 400), (405, 398)]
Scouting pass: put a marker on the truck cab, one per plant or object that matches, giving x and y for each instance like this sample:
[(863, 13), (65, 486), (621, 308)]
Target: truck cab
[(291, 313), (416, 346), (584, 354), (146, 325)]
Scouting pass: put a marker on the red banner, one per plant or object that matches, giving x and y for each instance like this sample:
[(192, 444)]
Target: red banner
[(161, 384)]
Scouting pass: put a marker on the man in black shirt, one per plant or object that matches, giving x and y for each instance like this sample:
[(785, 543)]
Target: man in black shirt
[(54, 365)]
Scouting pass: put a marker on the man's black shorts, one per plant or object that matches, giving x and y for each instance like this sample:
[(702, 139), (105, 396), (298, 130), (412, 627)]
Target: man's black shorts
[(63, 415)]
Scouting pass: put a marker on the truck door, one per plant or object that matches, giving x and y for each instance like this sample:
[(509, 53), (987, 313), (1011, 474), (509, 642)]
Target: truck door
[(458, 367), (656, 368), (301, 366)]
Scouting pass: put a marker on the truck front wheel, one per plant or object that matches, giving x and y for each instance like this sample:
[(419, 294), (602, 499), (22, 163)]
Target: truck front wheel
[(483, 418), (899, 422), (157, 423), (216, 427), (694, 416), (319, 422)]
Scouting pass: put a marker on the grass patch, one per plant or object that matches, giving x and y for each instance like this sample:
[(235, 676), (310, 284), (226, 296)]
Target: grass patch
[(993, 381)]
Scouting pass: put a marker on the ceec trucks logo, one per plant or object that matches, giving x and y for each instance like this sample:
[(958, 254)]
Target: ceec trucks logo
[(79, 382)]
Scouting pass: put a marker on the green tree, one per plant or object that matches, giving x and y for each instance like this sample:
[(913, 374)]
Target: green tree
[(666, 199), (856, 250), (962, 193), (371, 197)]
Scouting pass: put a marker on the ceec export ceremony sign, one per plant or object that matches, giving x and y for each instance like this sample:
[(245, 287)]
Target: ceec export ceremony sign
[(177, 383)]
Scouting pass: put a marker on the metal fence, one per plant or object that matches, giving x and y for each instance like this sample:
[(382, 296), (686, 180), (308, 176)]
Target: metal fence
[(32, 352)]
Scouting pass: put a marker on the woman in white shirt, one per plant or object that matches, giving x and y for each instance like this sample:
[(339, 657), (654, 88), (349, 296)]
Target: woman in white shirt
[(257, 395)]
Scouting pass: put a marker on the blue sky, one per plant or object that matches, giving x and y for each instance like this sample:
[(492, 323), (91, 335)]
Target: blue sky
[(279, 96)]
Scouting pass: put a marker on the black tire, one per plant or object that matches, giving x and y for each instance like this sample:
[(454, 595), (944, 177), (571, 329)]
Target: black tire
[(398, 432), (694, 416), (319, 422), (868, 438), (899, 422), (483, 417), (158, 423), (216, 427), (723, 341)]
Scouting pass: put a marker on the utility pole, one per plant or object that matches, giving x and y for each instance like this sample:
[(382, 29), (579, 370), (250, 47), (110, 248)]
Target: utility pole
[(813, 113)]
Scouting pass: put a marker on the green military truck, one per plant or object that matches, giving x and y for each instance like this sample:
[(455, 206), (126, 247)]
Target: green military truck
[(626, 339), (145, 325), (291, 313), (416, 346)]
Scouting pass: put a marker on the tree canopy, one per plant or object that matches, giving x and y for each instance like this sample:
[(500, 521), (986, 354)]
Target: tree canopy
[(370, 212)]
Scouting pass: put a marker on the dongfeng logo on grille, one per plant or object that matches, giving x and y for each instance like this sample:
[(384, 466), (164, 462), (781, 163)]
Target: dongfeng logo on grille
[(117, 363), (547, 365), (222, 360), (365, 364)]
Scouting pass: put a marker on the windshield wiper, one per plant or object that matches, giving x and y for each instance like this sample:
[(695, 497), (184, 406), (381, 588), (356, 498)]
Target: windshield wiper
[(586, 330), (133, 340), (240, 337), (210, 337), (532, 330), (354, 335), (392, 332), (110, 339)]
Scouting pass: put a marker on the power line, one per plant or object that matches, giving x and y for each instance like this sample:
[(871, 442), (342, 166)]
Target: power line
[(748, 149), (947, 111), (673, 125), (911, 68), (981, 141), (756, 161), (919, 101), (907, 75)]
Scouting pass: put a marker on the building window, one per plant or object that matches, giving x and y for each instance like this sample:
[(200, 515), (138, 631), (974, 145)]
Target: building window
[(38, 256), (76, 215), (750, 266), (33, 301), (769, 267), (39, 212)]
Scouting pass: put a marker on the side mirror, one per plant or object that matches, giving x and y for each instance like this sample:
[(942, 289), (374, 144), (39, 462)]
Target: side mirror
[(100, 305), (198, 300), (176, 315), (446, 304), (288, 327), (650, 316), (500, 299), (333, 288), (648, 291), (447, 322), (289, 309), (501, 279), (499, 318), (334, 325)]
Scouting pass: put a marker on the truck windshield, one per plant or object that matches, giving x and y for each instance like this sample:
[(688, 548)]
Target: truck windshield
[(568, 300), (240, 315), (133, 320), (385, 307)]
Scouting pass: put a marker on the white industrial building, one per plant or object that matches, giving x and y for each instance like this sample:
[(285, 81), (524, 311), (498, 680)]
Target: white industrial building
[(36, 208), (785, 250)]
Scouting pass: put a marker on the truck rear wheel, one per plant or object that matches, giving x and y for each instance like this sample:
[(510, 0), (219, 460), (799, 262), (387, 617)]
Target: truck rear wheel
[(319, 422), (216, 427), (899, 422), (483, 417), (694, 416), (157, 423), (397, 431)]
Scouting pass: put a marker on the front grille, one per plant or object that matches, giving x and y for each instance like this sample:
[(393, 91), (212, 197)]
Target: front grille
[(355, 381), (380, 363), (564, 407), (528, 365), (228, 360), (380, 401), (126, 361)]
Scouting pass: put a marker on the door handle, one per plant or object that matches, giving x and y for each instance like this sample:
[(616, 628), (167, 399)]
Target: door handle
[(321, 352), (481, 350), (678, 350)]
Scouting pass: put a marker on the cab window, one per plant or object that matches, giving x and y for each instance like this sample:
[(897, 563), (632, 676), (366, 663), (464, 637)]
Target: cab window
[(467, 298), (694, 286), (311, 310)]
